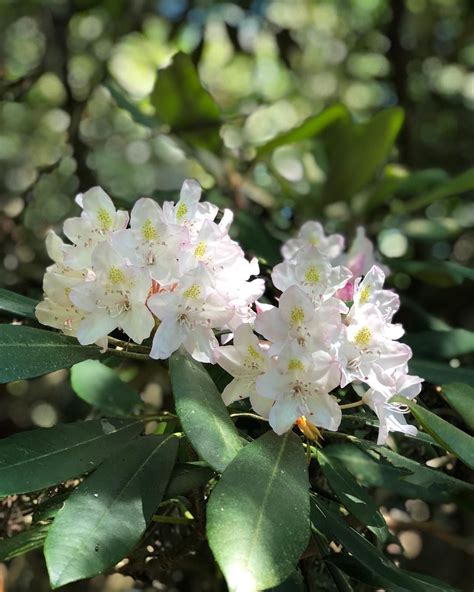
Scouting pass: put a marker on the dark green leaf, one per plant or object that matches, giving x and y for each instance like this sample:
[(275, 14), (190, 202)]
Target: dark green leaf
[(203, 415), (455, 186), (356, 152), (352, 495), (437, 373), (441, 344), (451, 438), (310, 128), (255, 238), (327, 519), (40, 458), (105, 517), (135, 112), (257, 515), (181, 102), (378, 466), (17, 305), (27, 352), (358, 571), (23, 542), (295, 583), (186, 477), (438, 273), (100, 386), (461, 398)]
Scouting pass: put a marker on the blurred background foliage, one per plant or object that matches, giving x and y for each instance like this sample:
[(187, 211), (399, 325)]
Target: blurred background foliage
[(350, 111)]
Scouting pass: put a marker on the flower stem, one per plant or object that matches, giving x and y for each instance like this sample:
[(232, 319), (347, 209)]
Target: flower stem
[(351, 405), (172, 519), (252, 415), (129, 346), (122, 353)]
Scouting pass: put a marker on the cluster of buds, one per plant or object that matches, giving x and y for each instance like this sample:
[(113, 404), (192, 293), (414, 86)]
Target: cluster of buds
[(332, 327), (170, 270)]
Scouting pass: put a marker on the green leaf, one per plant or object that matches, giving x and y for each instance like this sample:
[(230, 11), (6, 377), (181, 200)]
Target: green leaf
[(17, 305), (461, 398), (255, 238), (441, 344), (257, 515), (437, 373), (358, 571), (135, 112), (295, 583), (327, 519), (357, 151), (310, 128), (23, 542), (105, 517), (186, 477), (40, 458), (451, 438), (438, 273), (203, 415), (378, 466), (353, 496), (100, 386), (455, 186), (27, 352), (181, 102)]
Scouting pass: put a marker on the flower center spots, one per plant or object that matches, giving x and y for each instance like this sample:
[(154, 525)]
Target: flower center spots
[(363, 337), (312, 275), (314, 240), (253, 353), (148, 230), (295, 364), (364, 295), (200, 250), (297, 316), (116, 275), (105, 219), (193, 292), (181, 211), (67, 291)]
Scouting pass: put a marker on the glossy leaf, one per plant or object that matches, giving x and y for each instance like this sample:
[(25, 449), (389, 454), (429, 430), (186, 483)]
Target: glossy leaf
[(182, 102), (378, 466), (295, 583), (327, 519), (27, 352), (441, 344), (203, 415), (100, 386), (105, 517), (438, 373), (17, 305), (310, 128), (354, 497), (450, 437), (257, 515), (40, 458), (356, 152), (461, 398), (23, 542)]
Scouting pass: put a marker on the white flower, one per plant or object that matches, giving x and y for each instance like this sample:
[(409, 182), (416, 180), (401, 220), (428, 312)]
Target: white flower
[(187, 316), (114, 299), (392, 415), (188, 211), (297, 319), (152, 243), (312, 234), (246, 359), (298, 385), (313, 273), (370, 291), (98, 220)]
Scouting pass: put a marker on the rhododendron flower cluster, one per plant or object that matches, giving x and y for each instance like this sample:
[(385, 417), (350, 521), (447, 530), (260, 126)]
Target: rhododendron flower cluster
[(171, 269), (332, 327)]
